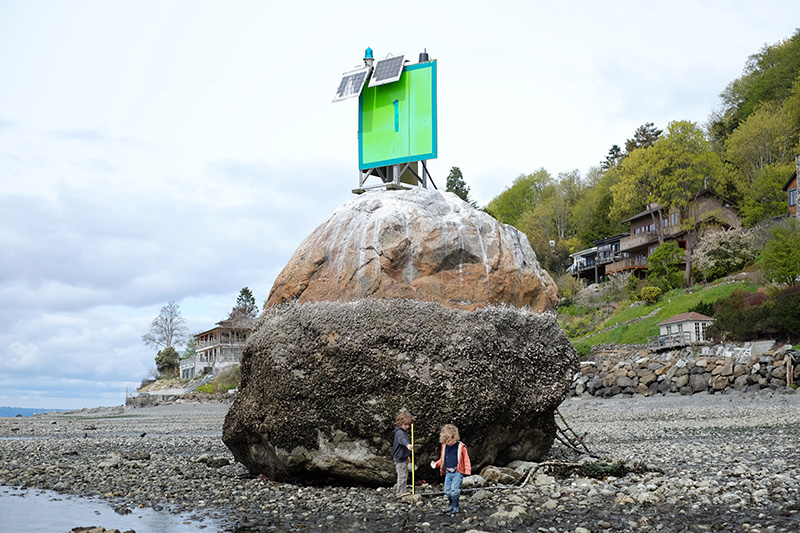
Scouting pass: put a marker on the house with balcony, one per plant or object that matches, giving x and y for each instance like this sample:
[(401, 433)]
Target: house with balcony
[(590, 264), (219, 347), (791, 189), (705, 212)]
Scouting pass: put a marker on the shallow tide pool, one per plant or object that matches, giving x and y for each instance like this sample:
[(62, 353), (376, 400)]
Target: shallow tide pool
[(34, 511)]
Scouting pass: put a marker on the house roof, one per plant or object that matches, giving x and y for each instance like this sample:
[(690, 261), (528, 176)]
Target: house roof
[(651, 208), (240, 324), (786, 187), (585, 253), (684, 317), (607, 240)]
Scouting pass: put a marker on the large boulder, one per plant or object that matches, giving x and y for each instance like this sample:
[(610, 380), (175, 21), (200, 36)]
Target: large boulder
[(419, 244), (322, 382)]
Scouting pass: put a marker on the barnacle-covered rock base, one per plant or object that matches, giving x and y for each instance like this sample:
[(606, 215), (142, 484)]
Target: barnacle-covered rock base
[(322, 382)]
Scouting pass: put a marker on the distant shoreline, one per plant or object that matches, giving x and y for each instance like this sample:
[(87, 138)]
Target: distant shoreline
[(27, 411)]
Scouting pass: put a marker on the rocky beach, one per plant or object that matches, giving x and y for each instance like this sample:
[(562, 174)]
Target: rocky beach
[(672, 463)]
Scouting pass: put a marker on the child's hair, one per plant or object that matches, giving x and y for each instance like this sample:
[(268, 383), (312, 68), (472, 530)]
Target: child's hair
[(403, 417), (449, 434)]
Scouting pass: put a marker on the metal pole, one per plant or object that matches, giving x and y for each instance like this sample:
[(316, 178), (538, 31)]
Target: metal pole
[(413, 485)]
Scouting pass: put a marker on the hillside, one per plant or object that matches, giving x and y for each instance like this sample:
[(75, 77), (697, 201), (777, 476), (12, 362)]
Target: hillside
[(593, 319)]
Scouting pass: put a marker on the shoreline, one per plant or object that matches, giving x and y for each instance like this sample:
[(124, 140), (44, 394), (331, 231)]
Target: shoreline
[(727, 462)]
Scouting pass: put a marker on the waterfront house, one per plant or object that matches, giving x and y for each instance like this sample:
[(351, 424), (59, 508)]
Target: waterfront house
[(705, 212), (590, 264), (218, 348), (681, 330)]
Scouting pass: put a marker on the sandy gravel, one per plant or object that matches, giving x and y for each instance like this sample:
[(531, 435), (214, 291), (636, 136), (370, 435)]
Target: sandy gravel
[(700, 463)]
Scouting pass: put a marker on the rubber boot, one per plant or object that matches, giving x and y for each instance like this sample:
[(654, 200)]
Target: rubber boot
[(456, 509), (450, 506)]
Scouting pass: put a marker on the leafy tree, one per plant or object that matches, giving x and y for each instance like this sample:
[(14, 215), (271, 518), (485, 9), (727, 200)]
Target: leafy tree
[(768, 76), (245, 307), (764, 199), (765, 138), (167, 359), (523, 195), (535, 226), (645, 136), (191, 348), (167, 329), (761, 152), (636, 186), (457, 185), (663, 265), (554, 209), (668, 173), (723, 252), (591, 215), (781, 256)]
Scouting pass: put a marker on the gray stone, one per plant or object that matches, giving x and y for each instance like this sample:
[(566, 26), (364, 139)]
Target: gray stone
[(500, 476), (698, 382), (320, 385)]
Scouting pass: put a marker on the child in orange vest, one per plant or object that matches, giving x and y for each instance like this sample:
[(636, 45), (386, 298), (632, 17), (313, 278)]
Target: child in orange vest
[(454, 464)]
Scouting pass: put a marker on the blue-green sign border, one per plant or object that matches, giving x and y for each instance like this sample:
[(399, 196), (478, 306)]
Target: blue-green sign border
[(432, 154)]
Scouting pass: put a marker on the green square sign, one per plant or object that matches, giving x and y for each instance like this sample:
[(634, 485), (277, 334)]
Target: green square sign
[(397, 121)]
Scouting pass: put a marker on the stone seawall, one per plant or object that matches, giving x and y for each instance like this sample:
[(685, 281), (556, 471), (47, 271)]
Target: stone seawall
[(632, 370)]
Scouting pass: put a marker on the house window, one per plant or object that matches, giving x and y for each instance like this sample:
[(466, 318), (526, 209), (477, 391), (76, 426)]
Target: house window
[(680, 328), (675, 219), (669, 330), (705, 327), (792, 197), (697, 333)]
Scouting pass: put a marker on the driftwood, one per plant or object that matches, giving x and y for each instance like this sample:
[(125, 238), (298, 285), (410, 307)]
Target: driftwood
[(570, 439)]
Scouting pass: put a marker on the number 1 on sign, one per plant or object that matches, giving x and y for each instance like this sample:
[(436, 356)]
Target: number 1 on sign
[(396, 105)]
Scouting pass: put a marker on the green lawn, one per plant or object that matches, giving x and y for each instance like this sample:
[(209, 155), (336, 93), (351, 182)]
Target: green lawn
[(670, 304)]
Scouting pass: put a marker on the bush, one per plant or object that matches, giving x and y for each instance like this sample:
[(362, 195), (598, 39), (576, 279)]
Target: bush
[(782, 254), (650, 295), (583, 348), (704, 308), (744, 316), (228, 379), (634, 288), (568, 286), (723, 252), (167, 359), (663, 266)]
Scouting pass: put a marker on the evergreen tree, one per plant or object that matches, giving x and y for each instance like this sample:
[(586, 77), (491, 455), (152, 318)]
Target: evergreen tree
[(645, 135), (615, 155), (245, 305), (457, 185), (769, 76)]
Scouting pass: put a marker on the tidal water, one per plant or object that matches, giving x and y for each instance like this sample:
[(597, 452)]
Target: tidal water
[(36, 511)]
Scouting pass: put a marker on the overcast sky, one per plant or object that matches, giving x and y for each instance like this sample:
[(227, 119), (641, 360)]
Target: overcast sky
[(182, 150)]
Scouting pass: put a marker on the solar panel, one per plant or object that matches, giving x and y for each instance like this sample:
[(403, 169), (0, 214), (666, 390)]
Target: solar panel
[(387, 70), (352, 83)]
